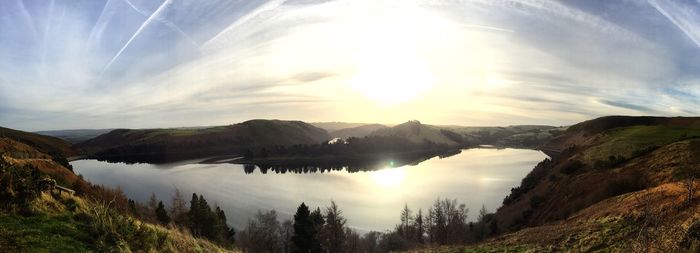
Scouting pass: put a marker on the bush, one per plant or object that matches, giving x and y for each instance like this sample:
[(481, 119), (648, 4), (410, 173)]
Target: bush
[(536, 201), (623, 184), (572, 167)]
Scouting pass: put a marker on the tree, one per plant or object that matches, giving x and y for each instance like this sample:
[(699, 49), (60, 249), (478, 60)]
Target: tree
[(447, 222), (195, 216), (152, 205), (352, 241), (418, 224), (480, 228), (208, 223), (305, 235), (262, 233), (369, 242), (286, 233), (178, 208), (405, 227), (153, 202), (482, 213), (161, 214), (333, 232)]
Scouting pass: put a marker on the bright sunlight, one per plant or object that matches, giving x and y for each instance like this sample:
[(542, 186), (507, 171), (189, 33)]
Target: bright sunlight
[(389, 177), (390, 69)]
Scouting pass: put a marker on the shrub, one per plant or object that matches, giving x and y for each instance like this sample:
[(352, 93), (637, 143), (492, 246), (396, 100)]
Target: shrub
[(572, 167), (624, 183), (536, 201)]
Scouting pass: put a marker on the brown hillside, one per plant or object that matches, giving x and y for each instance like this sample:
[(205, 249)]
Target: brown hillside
[(652, 220), (46, 144), (600, 159)]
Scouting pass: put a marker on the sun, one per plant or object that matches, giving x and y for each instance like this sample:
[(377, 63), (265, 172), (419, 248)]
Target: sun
[(389, 66)]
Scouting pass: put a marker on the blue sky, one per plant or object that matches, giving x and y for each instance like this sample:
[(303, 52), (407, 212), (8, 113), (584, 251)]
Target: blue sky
[(150, 63)]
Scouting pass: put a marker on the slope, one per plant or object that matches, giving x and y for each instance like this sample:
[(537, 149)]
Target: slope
[(43, 143)]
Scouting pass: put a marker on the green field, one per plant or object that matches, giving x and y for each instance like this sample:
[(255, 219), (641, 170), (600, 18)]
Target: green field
[(629, 141)]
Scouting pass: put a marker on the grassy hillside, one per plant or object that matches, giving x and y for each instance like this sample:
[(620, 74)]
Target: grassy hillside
[(616, 183), (181, 143), (523, 136), (35, 217)]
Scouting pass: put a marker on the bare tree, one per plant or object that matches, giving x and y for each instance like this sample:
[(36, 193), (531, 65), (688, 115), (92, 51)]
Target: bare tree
[(655, 233), (262, 233), (286, 232), (178, 208)]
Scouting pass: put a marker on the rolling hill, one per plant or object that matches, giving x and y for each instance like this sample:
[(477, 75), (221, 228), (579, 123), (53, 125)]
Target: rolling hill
[(42, 143), (180, 143), (417, 132), (521, 136)]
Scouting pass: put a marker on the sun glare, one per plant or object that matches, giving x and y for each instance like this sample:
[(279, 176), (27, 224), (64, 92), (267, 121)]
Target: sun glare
[(389, 177), (390, 69)]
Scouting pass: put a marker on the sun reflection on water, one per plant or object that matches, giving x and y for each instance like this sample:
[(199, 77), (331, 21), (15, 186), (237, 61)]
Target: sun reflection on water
[(389, 177)]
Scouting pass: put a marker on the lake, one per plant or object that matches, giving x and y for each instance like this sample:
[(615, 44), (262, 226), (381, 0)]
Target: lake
[(370, 200)]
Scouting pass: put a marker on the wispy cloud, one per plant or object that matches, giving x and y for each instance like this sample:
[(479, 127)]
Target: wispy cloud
[(138, 63)]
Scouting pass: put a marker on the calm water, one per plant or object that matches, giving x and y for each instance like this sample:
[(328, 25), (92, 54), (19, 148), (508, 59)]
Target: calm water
[(369, 200)]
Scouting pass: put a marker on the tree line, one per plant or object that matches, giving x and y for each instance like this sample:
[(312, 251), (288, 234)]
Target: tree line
[(350, 146), (317, 230)]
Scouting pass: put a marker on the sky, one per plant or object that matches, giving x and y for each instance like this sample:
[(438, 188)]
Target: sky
[(76, 64)]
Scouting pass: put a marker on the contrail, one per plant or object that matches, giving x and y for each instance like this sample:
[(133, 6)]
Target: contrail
[(169, 24), (47, 29), (489, 28), (27, 17), (265, 7), (681, 22), (95, 29), (145, 23)]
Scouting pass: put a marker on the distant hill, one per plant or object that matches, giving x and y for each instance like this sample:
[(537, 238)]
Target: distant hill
[(522, 136), (358, 131), (180, 143), (75, 135), (418, 133), (46, 144), (526, 136), (335, 126)]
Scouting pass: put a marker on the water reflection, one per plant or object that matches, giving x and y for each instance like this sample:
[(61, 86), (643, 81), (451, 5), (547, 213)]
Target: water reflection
[(370, 199)]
